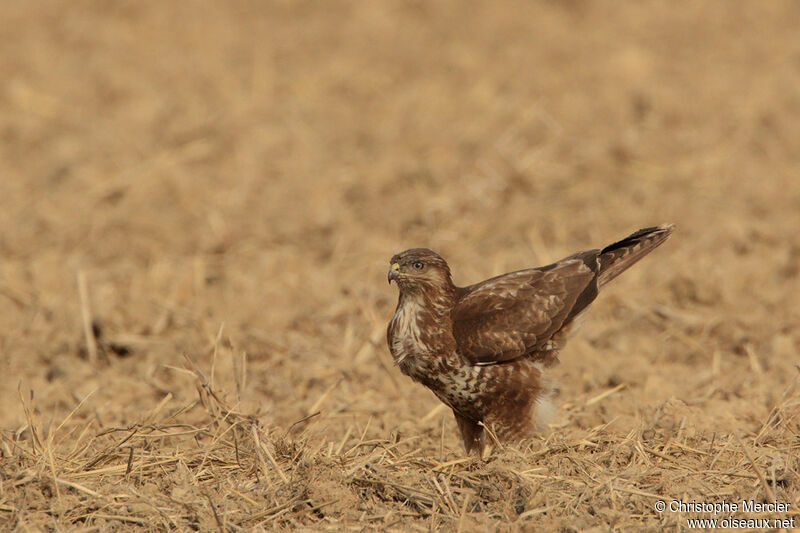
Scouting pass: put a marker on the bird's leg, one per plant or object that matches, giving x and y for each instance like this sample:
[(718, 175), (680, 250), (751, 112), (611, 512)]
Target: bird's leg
[(472, 434)]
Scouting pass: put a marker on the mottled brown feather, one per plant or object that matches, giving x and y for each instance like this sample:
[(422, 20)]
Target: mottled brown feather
[(514, 315)]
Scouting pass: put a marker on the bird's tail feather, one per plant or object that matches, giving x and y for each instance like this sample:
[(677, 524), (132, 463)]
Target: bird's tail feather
[(618, 257)]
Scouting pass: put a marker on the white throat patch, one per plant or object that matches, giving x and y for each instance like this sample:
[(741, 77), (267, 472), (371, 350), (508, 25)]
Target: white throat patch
[(406, 329)]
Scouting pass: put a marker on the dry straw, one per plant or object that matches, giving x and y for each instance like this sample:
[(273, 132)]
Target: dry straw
[(225, 471)]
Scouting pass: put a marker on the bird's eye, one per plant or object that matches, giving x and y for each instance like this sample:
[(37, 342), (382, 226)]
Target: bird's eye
[(419, 265)]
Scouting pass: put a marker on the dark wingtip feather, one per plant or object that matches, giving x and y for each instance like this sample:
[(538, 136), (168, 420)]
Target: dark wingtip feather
[(619, 256), (637, 236)]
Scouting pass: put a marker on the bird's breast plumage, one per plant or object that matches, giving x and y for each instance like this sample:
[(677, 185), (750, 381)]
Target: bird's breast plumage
[(405, 333), (421, 339)]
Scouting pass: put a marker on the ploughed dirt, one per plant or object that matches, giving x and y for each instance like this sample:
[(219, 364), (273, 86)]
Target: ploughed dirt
[(198, 202)]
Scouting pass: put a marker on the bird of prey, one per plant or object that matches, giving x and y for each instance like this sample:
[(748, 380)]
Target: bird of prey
[(483, 349)]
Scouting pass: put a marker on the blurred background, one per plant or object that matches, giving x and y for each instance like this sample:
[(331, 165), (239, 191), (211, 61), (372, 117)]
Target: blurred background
[(237, 174)]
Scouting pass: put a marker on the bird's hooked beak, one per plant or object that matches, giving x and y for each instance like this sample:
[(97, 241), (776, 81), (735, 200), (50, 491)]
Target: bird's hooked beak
[(394, 272)]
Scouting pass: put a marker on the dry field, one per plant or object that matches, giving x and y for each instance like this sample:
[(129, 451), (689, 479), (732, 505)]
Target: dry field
[(197, 206)]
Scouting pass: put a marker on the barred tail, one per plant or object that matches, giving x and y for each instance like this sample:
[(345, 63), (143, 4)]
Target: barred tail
[(618, 257)]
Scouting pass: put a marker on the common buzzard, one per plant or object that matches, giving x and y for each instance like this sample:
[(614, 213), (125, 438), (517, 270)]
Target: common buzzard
[(482, 349)]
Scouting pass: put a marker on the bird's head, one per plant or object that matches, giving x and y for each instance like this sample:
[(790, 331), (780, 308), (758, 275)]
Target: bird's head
[(419, 268)]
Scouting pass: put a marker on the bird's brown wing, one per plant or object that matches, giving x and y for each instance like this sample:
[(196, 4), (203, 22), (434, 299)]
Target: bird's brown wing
[(516, 314)]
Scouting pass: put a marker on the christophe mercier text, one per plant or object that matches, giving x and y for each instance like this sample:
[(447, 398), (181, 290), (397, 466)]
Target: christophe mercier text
[(744, 506)]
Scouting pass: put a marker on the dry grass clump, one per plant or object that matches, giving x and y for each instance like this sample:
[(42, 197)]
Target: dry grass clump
[(206, 466)]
